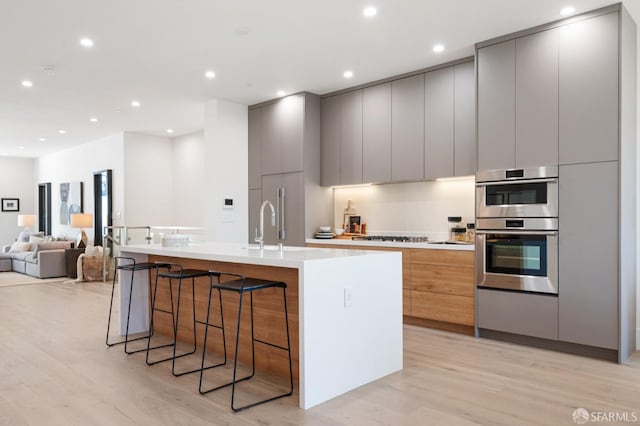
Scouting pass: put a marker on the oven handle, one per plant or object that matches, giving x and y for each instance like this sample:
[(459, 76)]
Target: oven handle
[(516, 182), (515, 232)]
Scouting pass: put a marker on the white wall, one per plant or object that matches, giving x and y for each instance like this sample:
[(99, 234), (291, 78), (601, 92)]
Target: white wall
[(226, 175), (188, 179), (409, 208), (148, 180), (78, 164), (16, 181)]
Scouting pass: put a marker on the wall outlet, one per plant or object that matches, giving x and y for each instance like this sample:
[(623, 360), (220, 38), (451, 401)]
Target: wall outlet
[(348, 297)]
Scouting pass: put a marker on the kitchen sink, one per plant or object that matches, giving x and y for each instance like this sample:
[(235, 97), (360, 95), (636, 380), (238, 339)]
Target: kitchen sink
[(255, 247)]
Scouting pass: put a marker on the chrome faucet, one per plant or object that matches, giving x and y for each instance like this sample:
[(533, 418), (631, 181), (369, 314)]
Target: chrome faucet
[(260, 239)]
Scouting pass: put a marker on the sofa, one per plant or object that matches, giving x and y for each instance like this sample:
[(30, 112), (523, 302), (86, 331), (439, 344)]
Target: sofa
[(38, 258)]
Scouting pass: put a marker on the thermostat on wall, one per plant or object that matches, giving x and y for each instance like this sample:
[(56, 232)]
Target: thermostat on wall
[(227, 203)]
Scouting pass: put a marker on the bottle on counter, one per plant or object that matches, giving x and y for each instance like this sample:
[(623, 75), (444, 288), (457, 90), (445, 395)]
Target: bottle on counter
[(471, 232), (455, 224)]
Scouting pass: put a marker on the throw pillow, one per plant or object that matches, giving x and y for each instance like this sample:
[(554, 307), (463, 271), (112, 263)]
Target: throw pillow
[(23, 237), (35, 240), (18, 247)]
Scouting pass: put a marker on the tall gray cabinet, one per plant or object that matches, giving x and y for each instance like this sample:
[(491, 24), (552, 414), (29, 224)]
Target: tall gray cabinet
[(565, 94), (284, 159)]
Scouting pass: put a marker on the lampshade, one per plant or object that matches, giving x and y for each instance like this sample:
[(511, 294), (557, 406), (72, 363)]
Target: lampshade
[(81, 220), (26, 220)]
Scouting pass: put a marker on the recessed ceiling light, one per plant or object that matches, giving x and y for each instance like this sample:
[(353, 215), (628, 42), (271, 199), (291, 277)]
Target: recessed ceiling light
[(135, 104), (348, 74), (568, 10), (210, 75), (370, 11), (86, 42), (281, 93), (438, 48), (21, 147), (62, 131), (27, 83), (42, 139), (169, 130), (93, 120)]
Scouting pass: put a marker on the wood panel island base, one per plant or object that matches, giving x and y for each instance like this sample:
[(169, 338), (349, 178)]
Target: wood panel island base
[(345, 310)]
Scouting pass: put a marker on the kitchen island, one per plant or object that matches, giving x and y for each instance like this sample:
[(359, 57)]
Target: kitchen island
[(345, 309)]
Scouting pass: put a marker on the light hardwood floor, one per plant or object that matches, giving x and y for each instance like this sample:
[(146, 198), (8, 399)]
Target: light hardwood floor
[(56, 370)]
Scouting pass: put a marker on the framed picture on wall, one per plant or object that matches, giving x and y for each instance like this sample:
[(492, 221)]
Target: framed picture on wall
[(10, 205), (71, 200)]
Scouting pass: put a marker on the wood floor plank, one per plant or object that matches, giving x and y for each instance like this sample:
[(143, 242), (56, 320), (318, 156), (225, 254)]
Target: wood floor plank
[(56, 370)]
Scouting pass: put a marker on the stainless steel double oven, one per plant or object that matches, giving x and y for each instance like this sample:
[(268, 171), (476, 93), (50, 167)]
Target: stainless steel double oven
[(517, 229)]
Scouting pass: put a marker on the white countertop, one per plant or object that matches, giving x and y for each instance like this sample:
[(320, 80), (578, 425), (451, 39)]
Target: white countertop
[(395, 244), (292, 257)]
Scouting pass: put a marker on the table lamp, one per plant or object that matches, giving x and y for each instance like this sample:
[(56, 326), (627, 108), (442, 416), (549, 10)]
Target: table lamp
[(82, 220), (26, 220)]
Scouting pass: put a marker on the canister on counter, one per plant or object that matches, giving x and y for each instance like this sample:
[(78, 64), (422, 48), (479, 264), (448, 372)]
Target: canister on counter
[(454, 223), (471, 232)]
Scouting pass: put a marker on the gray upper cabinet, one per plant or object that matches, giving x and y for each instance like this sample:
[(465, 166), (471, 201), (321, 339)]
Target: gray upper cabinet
[(255, 148), (439, 123), (496, 106), (271, 159), (330, 141), (537, 99), (407, 129), (351, 137), (376, 133), (464, 119), (282, 133), (589, 90), (255, 200), (588, 267)]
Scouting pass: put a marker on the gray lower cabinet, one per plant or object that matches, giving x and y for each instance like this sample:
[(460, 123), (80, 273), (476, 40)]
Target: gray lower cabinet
[(291, 219), (255, 148), (496, 106), (407, 129), (330, 141), (537, 99), (588, 254), (589, 90), (282, 130), (518, 313), (376, 133), (439, 123), (351, 138), (255, 199), (464, 119)]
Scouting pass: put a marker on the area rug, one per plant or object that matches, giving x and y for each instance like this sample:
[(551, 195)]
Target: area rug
[(10, 279)]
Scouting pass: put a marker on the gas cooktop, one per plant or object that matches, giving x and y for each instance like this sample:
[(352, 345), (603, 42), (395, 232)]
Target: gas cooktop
[(392, 238)]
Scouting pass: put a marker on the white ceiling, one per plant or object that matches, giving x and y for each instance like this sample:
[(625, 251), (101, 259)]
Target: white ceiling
[(156, 51)]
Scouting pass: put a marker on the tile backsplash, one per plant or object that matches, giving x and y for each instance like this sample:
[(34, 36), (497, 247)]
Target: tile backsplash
[(415, 208)]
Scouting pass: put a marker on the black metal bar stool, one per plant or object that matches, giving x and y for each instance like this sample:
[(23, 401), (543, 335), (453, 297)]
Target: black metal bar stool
[(177, 272), (132, 266), (239, 284)]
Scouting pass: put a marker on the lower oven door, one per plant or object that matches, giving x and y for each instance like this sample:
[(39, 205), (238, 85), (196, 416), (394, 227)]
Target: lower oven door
[(517, 260)]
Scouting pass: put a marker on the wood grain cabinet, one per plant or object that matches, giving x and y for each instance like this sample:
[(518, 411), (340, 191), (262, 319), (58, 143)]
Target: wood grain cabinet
[(442, 286)]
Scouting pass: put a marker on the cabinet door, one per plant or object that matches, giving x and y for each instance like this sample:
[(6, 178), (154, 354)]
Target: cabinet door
[(271, 159), (291, 121), (376, 133), (255, 148), (270, 185), (496, 106), (589, 90), (293, 183), (351, 137), (330, 141), (255, 199), (407, 129), (588, 255), (438, 147), (537, 99), (464, 119)]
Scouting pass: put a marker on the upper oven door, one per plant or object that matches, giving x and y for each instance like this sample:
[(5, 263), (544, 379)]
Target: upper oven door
[(518, 198)]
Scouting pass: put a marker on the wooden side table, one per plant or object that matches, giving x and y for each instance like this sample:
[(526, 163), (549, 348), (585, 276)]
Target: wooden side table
[(71, 260)]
